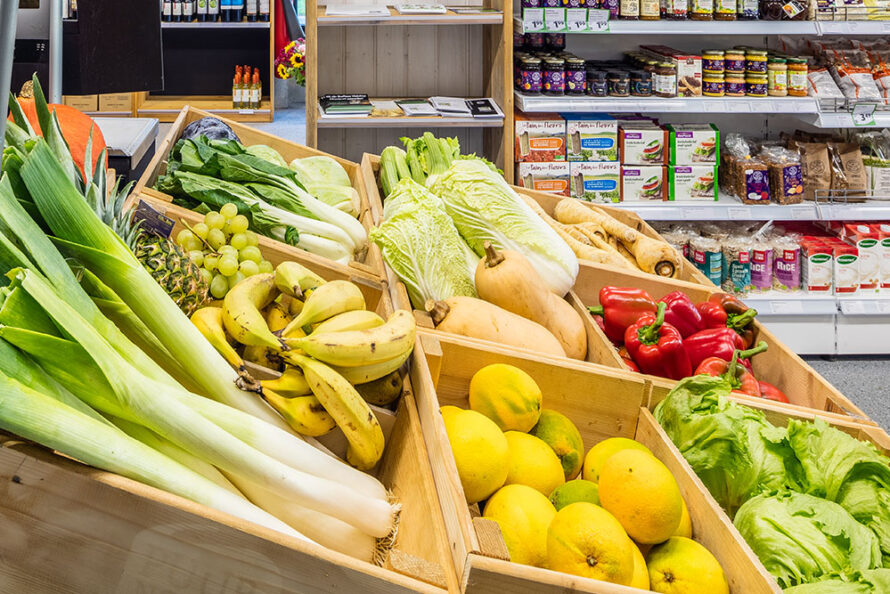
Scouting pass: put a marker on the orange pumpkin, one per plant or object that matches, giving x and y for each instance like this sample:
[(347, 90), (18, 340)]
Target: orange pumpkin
[(75, 126)]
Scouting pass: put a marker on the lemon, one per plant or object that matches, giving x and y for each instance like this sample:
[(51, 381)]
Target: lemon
[(557, 431), (586, 540), (641, 573), (447, 411), (506, 395), (532, 462), (685, 527), (573, 492), (683, 566), (480, 452), (642, 493), (601, 452), (523, 516)]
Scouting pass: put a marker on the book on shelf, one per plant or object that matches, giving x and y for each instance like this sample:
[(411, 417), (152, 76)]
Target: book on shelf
[(355, 10), (451, 107), (420, 8), (417, 107), (485, 109), (355, 105)]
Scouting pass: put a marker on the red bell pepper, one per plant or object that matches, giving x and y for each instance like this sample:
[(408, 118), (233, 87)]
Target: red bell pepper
[(625, 356), (738, 376), (621, 307), (714, 342), (656, 347), (724, 310), (770, 392), (682, 314)]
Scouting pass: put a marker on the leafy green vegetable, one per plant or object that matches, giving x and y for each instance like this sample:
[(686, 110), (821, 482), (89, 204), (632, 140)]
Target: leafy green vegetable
[(843, 469), (266, 152), (800, 538), (872, 581), (421, 244), (320, 170), (733, 448), (343, 198), (485, 208)]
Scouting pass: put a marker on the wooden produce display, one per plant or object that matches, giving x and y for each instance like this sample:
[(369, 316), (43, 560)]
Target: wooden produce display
[(779, 365), (370, 263), (602, 403)]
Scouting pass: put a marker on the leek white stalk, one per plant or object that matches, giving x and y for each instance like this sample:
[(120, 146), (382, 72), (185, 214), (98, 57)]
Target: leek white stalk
[(85, 237), (159, 407), (267, 216), (41, 418), (87, 381)]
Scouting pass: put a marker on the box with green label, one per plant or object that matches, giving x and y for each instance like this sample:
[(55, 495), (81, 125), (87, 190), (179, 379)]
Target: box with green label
[(692, 182), (596, 182), (591, 137)]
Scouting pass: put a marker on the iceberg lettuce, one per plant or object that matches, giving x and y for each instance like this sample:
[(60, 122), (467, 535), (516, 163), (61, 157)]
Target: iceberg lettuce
[(800, 538), (419, 242), (266, 152), (485, 208), (872, 581), (320, 170)]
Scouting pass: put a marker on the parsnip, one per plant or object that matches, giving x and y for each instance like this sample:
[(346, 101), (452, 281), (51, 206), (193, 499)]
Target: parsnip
[(652, 256), (506, 279), (476, 318)]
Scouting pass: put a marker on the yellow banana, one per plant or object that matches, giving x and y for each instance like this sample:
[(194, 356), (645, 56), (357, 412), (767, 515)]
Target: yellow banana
[(258, 355), (296, 306), (241, 311), (327, 301), (290, 385), (292, 279), (359, 319), (304, 413), (357, 348), (277, 316), (383, 391), (349, 410), (209, 321), (369, 373)]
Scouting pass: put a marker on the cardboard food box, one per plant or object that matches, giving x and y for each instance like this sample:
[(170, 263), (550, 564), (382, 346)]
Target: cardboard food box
[(883, 230), (82, 102), (817, 272), (692, 144), (689, 72), (596, 182), (116, 102), (693, 182), (845, 267), (540, 137), (544, 177), (591, 137), (643, 182), (867, 240), (643, 144)]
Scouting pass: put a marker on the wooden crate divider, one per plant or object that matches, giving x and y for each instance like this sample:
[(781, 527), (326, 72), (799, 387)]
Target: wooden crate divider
[(602, 403), (370, 263)]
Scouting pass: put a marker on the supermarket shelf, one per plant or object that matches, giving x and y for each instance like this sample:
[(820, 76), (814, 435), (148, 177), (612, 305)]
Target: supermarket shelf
[(217, 25), (740, 105), (667, 27), (407, 122), (166, 108), (774, 303), (394, 18), (855, 211), (726, 208), (864, 304), (853, 27), (844, 119)]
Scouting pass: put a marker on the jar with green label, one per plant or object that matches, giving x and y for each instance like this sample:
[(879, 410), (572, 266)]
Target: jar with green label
[(777, 73)]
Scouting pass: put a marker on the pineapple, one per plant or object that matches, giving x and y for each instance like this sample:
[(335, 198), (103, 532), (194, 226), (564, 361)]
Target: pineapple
[(167, 263)]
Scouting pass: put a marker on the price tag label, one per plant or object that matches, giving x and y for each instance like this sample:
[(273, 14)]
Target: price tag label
[(864, 114), (786, 307), (801, 213), (694, 214), (739, 214), (533, 20), (576, 20), (246, 111), (884, 306), (554, 20), (598, 20), (853, 307)]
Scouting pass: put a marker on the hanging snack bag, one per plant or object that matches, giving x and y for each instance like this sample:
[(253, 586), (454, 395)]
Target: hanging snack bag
[(736, 266), (707, 255)]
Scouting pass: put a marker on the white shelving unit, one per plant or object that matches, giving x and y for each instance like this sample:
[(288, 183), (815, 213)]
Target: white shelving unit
[(729, 208), (704, 105)]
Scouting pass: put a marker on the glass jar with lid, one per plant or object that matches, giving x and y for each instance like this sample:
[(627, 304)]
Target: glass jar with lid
[(713, 85), (530, 75), (734, 85), (797, 77), (664, 82), (619, 83), (713, 61), (629, 10), (725, 10), (701, 10), (755, 61), (650, 10), (748, 10), (756, 85), (734, 61), (597, 83), (640, 83), (576, 76), (777, 73), (554, 76)]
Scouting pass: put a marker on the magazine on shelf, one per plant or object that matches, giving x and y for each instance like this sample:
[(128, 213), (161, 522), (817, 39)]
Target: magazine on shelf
[(451, 107), (485, 109), (417, 108), (420, 8), (357, 105), (347, 10)]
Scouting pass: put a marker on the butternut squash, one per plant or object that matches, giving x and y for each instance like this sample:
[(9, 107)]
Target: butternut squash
[(508, 280), (480, 319)]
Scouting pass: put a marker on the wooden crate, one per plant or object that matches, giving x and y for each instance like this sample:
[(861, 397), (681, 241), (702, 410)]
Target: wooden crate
[(602, 403), (371, 262), (778, 365), (371, 165)]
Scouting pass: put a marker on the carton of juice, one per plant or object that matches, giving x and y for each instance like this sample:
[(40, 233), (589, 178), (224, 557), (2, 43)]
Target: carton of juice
[(867, 240), (883, 230), (817, 270)]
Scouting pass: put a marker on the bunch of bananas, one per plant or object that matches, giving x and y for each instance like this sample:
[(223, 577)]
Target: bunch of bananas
[(335, 357)]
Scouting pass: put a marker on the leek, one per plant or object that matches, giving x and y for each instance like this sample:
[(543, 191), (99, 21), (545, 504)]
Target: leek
[(85, 237), (160, 408), (41, 418)]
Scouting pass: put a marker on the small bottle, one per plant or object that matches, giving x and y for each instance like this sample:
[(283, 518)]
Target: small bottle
[(237, 11), (201, 11), (629, 10), (188, 10), (177, 11), (256, 90), (252, 10), (650, 10), (167, 11), (212, 11), (264, 11), (237, 93)]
